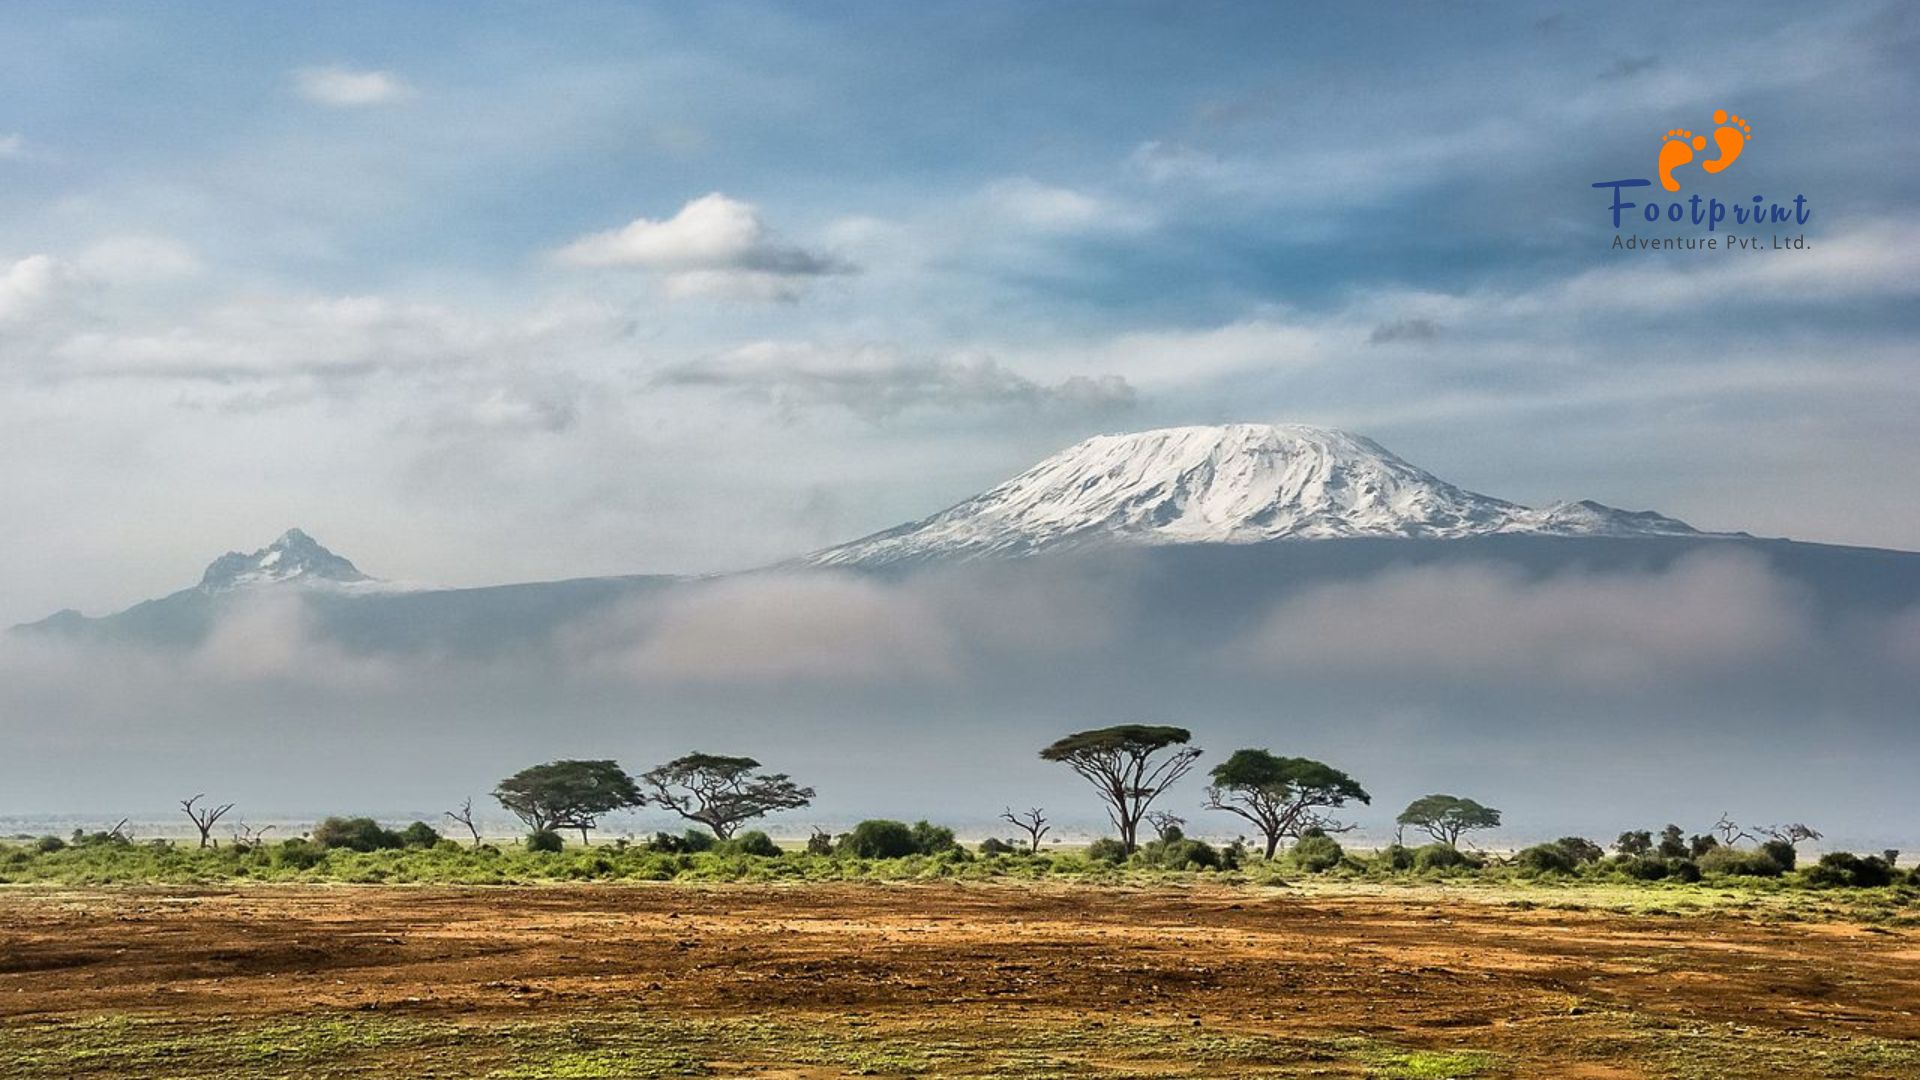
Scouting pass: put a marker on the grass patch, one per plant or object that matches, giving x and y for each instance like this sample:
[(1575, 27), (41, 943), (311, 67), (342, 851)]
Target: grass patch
[(650, 1045)]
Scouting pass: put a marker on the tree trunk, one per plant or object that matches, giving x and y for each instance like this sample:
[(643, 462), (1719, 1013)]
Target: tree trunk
[(583, 836), (1273, 844)]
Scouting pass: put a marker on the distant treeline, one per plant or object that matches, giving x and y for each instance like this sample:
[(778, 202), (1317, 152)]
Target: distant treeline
[(1289, 803)]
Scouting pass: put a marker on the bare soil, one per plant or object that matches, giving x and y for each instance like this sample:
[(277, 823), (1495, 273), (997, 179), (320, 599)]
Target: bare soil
[(1366, 983)]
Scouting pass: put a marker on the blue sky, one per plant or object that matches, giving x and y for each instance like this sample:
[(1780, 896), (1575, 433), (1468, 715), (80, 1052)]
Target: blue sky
[(504, 291)]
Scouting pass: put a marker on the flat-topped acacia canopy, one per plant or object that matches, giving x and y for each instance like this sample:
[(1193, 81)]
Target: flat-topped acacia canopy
[(1123, 737)]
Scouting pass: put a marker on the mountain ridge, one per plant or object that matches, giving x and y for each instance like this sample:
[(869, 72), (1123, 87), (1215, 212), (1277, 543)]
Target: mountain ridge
[(1293, 491)]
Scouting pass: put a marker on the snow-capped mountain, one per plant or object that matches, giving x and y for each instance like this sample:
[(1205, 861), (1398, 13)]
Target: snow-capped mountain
[(1233, 484), (294, 558)]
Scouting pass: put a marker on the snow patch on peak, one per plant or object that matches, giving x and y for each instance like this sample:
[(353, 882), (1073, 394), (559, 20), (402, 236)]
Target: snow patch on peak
[(293, 558), (1235, 483)]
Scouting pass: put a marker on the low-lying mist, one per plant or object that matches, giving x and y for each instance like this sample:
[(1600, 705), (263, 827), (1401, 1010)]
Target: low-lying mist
[(1581, 697)]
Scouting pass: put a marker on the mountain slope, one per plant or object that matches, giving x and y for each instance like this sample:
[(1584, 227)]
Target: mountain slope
[(1234, 484), (350, 608)]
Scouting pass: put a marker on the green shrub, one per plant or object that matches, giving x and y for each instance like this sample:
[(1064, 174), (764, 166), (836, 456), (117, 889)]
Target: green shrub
[(419, 835), (686, 843), (1545, 859), (879, 839), (931, 839), (297, 855), (545, 840), (1580, 849), (1179, 854), (1782, 852), (1441, 857), (1735, 862), (1316, 852), (1107, 850), (1643, 867), (1683, 870), (1844, 868), (48, 844), (993, 846), (1394, 857), (754, 843), (820, 842), (82, 838), (355, 834)]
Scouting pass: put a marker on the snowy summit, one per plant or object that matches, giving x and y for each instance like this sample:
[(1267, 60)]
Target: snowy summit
[(1233, 484), (294, 558)]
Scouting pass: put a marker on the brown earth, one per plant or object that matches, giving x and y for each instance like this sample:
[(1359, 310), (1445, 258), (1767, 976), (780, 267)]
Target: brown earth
[(1542, 992)]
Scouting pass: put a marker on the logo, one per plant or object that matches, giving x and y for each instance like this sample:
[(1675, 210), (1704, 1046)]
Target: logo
[(1730, 137), (1674, 165)]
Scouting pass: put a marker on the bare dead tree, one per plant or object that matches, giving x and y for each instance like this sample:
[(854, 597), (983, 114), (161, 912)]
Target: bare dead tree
[(205, 818), (1792, 833), (464, 816), (1730, 834), (250, 836), (1165, 825), (119, 832), (1031, 822), (1326, 823)]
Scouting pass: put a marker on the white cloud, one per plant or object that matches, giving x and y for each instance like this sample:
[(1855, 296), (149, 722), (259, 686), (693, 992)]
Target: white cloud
[(346, 88), (877, 382), (714, 246), (13, 145), (1339, 173), (1860, 260), (293, 347), (137, 258), (30, 285), (1035, 205)]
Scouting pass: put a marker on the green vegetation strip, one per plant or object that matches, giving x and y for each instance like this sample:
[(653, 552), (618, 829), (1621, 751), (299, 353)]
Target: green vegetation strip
[(1606, 884), (647, 1045)]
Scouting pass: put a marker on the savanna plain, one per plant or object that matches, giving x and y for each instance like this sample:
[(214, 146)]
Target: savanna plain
[(912, 969)]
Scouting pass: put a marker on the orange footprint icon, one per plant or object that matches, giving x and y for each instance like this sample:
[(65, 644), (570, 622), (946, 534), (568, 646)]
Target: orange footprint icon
[(1731, 136), (1676, 151)]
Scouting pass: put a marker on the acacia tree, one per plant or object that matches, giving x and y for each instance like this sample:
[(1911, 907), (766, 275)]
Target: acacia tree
[(205, 818), (1446, 817), (1634, 843), (1127, 766), (1281, 796), (567, 794), (721, 792)]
